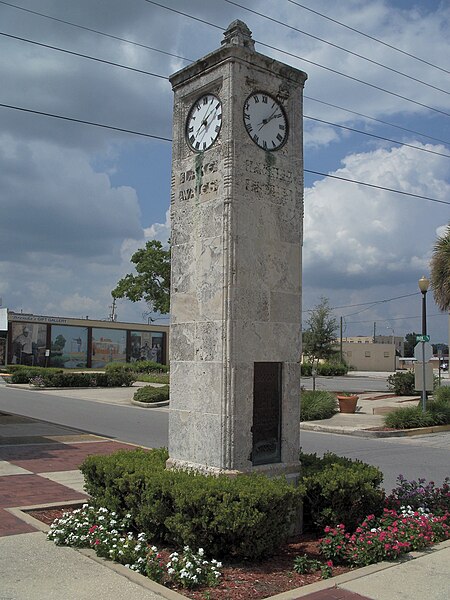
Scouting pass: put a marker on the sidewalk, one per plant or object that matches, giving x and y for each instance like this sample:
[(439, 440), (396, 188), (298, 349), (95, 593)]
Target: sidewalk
[(39, 467)]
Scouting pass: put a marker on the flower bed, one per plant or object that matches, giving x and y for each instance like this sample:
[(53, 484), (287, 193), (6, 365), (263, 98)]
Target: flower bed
[(298, 562)]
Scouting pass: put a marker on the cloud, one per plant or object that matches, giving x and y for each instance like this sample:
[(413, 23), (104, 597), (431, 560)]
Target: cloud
[(356, 237)]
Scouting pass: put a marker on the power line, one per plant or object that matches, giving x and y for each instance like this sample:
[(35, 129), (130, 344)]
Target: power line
[(148, 135), (119, 65), (379, 187), (379, 137), (80, 55), (315, 37), (96, 31), (371, 85), (102, 33), (374, 119), (370, 37), (82, 121), (397, 318)]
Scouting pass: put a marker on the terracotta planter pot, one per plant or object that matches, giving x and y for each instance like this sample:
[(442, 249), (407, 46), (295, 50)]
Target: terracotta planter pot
[(347, 404)]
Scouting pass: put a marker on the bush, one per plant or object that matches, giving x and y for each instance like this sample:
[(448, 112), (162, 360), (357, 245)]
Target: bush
[(154, 378), (410, 417), (60, 379), (326, 369), (22, 374), (317, 405), (142, 366), (339, 490), (442, 394), (246, 517), (402, 384), (152, 394), (419, 494)]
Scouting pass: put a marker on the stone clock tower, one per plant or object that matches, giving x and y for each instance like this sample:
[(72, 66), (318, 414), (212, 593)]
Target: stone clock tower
[(236, 213)]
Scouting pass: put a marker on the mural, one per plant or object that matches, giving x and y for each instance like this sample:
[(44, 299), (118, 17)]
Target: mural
[(29, 344), (108, 345), (68, 347)]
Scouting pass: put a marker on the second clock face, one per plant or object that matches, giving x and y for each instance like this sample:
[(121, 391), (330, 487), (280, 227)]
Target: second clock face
[(204, 122), (265, 121)]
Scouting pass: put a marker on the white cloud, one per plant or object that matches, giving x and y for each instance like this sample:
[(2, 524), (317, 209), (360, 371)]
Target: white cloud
[(356, 236)]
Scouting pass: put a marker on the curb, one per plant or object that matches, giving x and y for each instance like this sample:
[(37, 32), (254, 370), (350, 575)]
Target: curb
[(373, 434), (150, 404)]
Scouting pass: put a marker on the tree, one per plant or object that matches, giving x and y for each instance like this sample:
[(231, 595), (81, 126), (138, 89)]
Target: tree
[(410, 344), (440, 271), (152, 282), (319, 339)]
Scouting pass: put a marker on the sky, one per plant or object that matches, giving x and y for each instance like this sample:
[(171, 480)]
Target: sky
[(77, 200)]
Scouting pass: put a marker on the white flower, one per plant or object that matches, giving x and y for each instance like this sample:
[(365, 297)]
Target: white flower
[(201, 552), (171, 571)]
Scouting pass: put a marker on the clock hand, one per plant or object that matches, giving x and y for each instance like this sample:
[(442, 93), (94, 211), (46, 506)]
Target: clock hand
[(204, 122)]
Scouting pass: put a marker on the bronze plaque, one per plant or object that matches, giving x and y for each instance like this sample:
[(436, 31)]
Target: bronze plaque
[(266, 413)]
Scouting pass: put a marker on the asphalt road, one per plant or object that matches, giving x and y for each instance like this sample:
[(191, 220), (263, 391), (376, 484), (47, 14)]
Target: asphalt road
[(347, 383), (423, 456)]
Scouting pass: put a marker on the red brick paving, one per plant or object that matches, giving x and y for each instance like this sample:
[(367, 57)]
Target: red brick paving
[(11, 525), (24, 490), (30, 489), (45, 458), (334, 594)]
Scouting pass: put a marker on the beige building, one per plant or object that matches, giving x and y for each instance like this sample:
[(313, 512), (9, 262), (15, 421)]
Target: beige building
[(369, 356), (379, 339)]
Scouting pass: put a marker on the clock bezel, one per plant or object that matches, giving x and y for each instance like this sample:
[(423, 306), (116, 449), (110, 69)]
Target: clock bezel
[(283, 110), (188, 118)]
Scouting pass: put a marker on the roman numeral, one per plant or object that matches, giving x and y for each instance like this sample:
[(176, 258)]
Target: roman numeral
[(204, 145), (264, 99), (249, 127), (256, 138), (279, 137), (265, 145), (197, 145), (191, 129), (246, 116), (282, 127), (192, 139), (205, 100), (217, 128), (256, 99)]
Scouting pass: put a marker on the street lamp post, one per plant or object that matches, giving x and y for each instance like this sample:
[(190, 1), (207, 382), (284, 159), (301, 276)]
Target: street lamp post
[(423, 286)]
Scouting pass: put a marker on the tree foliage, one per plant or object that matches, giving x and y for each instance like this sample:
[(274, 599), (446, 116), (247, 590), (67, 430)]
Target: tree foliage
[(440, 271), (410, 343), (319, 338), (152, 281)]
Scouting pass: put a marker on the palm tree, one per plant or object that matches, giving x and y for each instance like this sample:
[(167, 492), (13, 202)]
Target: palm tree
[(440, 271)]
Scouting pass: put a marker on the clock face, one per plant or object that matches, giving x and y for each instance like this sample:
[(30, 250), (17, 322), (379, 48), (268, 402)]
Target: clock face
[(265, 121), (204, 122)]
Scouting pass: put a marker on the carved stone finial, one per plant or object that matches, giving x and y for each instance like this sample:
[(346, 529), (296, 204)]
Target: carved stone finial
[(238, 34)]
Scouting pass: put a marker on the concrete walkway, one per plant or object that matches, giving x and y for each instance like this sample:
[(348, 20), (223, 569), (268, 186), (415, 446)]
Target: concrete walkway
[(39, 467)]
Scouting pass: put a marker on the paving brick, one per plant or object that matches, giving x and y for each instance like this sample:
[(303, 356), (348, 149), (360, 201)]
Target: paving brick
[(25, 490), (43, 458), (11, 525)]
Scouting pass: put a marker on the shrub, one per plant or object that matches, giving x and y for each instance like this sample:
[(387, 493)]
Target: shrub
[(440, 410), (22, 374), (402, 384), (154, 378), (142, 366), (326, 369), (52, 378), (317, 405), (152, 394), (419, 494), (384, 538), (409, 417), (246, 517), (339, 490), (442, 394)]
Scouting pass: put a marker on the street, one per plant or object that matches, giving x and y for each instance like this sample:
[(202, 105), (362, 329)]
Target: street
[(425, 456)]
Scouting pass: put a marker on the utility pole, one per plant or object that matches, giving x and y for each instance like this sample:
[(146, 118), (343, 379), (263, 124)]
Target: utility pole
[(342, 356), (113, 316), (374, 331)]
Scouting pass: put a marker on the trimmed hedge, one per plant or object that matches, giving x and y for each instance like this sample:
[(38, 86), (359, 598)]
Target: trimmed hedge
[(246, 517), (315, 405), (57, 378), (402, 384), (22, 374), (326, 369), (152, 394), (140, 366), (339, 490)]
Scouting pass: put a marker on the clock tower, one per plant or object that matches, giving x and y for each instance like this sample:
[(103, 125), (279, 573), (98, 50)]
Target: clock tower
[(236, 215)]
